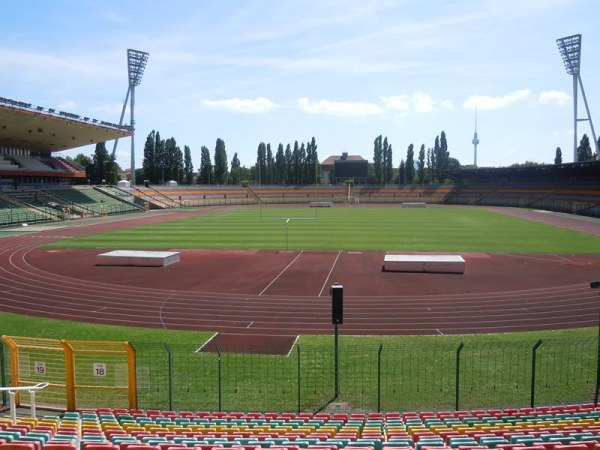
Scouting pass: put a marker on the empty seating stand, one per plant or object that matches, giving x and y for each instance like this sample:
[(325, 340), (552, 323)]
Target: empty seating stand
[(572, 427)]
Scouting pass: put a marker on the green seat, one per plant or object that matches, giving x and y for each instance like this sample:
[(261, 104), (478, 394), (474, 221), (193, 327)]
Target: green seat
[(492, 441)]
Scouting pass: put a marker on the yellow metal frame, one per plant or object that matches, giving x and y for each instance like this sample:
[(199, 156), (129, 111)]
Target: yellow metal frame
[(71, 348)]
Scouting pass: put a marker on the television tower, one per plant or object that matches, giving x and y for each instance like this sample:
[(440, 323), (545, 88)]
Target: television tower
[(475, 142)]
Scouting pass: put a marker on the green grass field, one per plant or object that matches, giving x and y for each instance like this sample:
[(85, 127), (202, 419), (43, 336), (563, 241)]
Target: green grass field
[(370, 228), (400, 372)]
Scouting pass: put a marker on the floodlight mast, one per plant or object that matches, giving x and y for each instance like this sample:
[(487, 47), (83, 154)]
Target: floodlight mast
[(136, 63), (570, 51)]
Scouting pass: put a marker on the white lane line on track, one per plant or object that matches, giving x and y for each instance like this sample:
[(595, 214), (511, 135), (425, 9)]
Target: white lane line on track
[(330, 271), (100, 309), (281, 273), (160, 312), (439, 331), (250, 324)]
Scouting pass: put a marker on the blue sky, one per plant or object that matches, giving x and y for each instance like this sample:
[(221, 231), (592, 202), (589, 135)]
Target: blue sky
[(343, 71)]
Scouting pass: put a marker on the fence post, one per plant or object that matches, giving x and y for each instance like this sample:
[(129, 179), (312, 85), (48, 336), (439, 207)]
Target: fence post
[(597, 365), (170, 374), (379, 378), (537, 345), (298, 353), (3, 371), (219, 374), (458, 352)]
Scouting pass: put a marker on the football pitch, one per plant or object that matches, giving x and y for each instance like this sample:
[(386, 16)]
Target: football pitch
[(431, 229)]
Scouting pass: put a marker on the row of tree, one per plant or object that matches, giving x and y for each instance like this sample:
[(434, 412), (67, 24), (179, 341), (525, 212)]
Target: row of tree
[(429, 167), (164, 161), (298, 166), (584, 151)]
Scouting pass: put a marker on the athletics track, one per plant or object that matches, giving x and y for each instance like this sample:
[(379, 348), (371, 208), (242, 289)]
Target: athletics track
[(286, 293)]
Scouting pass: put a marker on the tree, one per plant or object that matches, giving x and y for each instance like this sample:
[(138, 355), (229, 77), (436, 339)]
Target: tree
[(302, 165), (297, 164), (205, 175), (188, 167), (444, 155), (558, 156), (220, 169), (387, 157), (269, 165), (178, 164), (234, 175), (311, 163), (402, 173), (289, 164), (584, 151), (421, 164), (429, 169), (378, 160), (280, 166), (170, 163), (103, 168), (160, 158), (261, 162), (149, 161), (410, 164), (82, 162)]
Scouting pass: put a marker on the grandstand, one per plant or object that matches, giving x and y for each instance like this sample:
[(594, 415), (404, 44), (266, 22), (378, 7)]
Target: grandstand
[(568, 427), (568, 188), (35, 183)]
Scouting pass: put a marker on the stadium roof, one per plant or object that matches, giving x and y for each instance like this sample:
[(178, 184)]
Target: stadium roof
[(571, 170), (35, 128)]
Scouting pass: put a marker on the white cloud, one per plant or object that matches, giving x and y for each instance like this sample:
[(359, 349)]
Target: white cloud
[(423, 103), (483, 102), (447, 104), (343, 109), (558, 97), (259, 105), (398, 103), (418, 102)]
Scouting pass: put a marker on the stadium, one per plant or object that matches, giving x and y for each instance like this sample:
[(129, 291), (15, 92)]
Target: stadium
[(459, 315)]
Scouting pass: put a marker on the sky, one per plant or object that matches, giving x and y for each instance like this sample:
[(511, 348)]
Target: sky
[(342, 71)]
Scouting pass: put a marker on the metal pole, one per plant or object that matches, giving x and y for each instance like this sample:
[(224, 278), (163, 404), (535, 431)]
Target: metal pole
[(3, 372), (379, 378), (574, 118), (458, 351), (336, 359), (298, 352), (121, 121), (533, 359), (170, 370), (132, 136), (597, 365), (219, 373), (587, 109)]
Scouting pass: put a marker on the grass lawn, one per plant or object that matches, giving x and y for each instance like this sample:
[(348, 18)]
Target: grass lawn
[(391, 373), (339, 228), (387, 372)]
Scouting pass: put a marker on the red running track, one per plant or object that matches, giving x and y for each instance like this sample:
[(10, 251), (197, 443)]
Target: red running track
[(287, 292)]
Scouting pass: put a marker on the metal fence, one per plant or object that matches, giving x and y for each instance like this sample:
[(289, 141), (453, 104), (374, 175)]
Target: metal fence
[(428, 375), (380, 377)]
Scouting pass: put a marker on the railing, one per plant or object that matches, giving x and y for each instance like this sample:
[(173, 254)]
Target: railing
[(12, 391), (426, 374), (430, 375)]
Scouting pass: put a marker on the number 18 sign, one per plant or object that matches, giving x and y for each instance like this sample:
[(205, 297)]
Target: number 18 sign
[(99, 369)]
